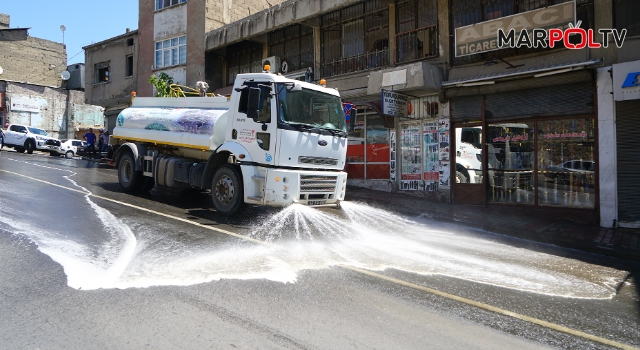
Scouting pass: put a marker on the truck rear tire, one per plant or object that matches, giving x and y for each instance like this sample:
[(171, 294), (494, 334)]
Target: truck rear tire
[(130, 179), (227, 191)]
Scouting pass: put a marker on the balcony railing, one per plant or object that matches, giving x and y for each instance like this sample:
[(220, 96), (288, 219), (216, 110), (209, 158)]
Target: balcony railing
[(417, 44), (357, 63)]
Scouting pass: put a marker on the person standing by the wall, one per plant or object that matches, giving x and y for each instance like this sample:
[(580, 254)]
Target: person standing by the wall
[(100, 141), (104, 141), (90, 137)]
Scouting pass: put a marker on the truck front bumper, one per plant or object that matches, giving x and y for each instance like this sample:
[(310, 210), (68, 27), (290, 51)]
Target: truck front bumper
[(313, 188)]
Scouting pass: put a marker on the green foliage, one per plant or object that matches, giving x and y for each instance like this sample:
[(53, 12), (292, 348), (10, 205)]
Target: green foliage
[(162, 84)]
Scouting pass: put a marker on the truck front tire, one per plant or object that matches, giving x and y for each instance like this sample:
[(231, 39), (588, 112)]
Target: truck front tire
[(30, 145), (130, 179), (227, 190)]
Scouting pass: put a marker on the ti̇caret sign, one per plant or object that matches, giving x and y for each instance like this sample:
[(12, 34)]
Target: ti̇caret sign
[(483, 37), (394, 104), (626, 81)]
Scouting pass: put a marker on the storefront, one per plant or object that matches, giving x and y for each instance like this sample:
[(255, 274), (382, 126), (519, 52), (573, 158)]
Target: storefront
[(626, 93), (400, 138), (527, 140)]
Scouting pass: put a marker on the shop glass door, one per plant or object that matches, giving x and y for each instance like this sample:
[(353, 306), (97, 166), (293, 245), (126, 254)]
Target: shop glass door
[(468, 188)]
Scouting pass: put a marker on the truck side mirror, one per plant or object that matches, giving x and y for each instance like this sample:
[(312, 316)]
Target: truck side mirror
[(253, 103)]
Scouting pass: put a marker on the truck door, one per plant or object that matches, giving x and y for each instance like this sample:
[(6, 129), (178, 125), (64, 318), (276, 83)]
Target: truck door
[(258, 136)]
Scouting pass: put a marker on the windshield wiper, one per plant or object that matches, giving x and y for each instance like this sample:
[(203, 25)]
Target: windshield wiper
[(304, 127), (336, 132)]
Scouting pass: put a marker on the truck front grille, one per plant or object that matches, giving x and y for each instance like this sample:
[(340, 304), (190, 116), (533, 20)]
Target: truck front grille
[(317, 160), (317, 184)]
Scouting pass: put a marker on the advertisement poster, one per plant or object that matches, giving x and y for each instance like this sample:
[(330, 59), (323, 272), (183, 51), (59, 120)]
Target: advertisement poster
[(431, 138), (411, 149), (392, 150), (445, 146)]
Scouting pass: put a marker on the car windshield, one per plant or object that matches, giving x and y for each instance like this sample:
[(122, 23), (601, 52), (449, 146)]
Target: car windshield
[(310, 107), (38, 131)]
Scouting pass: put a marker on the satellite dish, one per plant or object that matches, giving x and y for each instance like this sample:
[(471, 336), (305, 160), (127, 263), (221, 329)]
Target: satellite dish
[(63, 28), (65, 75), (1, 70)]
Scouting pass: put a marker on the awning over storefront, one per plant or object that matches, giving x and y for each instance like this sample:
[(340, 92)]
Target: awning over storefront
[(535, 71)]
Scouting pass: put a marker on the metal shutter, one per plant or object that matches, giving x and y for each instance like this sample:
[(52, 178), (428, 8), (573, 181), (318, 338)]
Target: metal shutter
[(556, 100), (628, 152), (466, 108)]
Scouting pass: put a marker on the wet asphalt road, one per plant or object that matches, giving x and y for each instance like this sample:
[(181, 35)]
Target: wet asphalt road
[(162, 270)]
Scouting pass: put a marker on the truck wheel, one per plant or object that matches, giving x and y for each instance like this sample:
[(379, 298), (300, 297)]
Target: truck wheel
[(227, 190), (128, 177), (460, 178), (29, 146)]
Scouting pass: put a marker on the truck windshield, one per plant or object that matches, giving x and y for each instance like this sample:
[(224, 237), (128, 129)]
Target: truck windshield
[(38, 131), (310, 108)]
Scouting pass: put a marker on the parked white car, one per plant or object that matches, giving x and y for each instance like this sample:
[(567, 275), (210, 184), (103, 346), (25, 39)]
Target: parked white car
[(29, 138), (69, 148)]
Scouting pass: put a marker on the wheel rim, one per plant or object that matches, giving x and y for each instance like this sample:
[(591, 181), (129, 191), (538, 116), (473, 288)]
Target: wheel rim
[(224, 190), (69, 154), (127, 171)]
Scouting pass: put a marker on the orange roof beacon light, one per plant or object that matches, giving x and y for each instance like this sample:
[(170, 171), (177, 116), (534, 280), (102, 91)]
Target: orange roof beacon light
[(266, 68), (323, 82), (133, 95)]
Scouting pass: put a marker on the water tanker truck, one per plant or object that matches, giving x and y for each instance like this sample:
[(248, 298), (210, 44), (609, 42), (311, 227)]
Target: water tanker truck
[(274, 142)]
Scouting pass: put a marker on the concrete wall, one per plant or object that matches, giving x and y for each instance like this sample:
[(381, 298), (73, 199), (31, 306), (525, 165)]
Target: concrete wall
[(119, 87), (31, 60), (146, 47), (61, 111), (4, 20)]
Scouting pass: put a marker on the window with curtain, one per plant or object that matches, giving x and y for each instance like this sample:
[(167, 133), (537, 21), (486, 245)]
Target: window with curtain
[(243, 57), (626, 15), (294, 45), (355, 38), (160, 4), (416, 30)]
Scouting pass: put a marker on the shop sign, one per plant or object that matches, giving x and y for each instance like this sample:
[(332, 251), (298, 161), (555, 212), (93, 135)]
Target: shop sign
[(626, 81), (483, 37), (25, 104), (394, 104)]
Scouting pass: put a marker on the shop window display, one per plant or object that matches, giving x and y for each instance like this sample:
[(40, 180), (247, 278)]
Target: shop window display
[(368, 152), (510, 163), (566, 163)]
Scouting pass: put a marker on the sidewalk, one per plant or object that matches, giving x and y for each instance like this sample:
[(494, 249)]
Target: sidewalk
[(620, 243)]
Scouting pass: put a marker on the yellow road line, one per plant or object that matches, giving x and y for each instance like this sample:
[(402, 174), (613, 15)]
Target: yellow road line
[(370, 273)]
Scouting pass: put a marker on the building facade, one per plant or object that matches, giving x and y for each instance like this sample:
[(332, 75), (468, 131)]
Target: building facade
[(529, 129), (31, 85), (111, 74), (172, 36)]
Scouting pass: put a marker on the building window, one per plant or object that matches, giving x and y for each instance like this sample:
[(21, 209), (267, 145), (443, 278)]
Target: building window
[(130, 42), (102, 72), (355, 38), (160, 4), (417, 30), (243, 57), (171, 52), (626, 16), (467, 12), (294, 45), (129, 71)]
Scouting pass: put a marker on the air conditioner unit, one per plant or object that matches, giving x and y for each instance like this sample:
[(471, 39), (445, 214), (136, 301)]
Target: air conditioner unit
[(274, 64)]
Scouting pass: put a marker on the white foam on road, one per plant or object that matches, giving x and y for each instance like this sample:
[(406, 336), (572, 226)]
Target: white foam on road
[(303, 238)]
